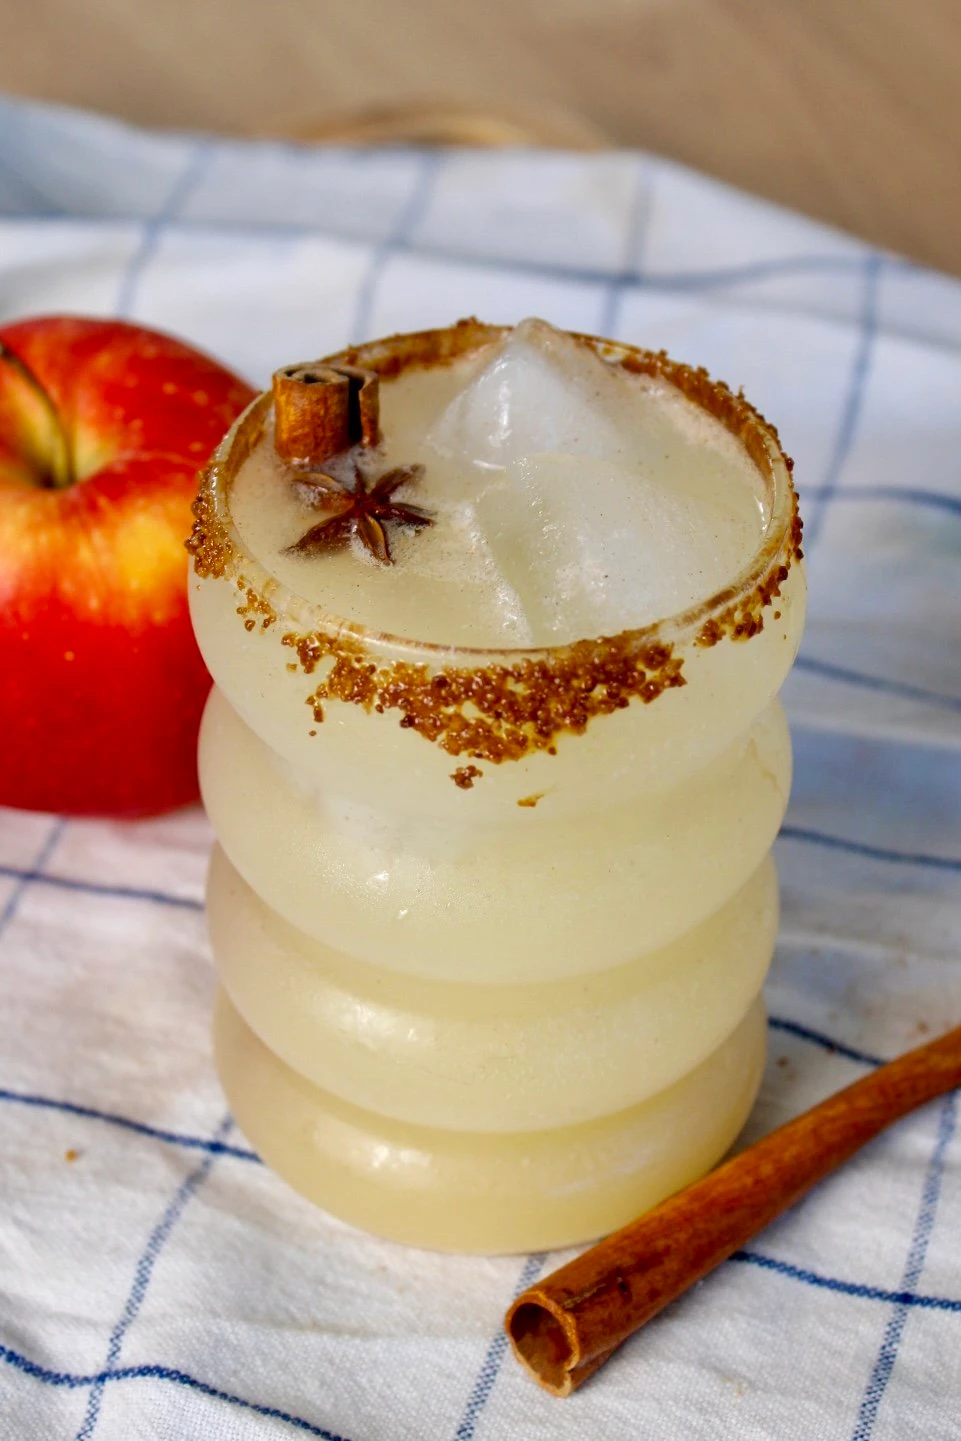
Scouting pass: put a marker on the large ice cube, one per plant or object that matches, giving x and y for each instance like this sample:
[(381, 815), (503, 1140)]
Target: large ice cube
[(540, 390), (592, 546), (604, 500)]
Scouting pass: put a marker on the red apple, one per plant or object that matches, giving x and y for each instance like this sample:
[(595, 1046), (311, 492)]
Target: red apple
[(103, 427)]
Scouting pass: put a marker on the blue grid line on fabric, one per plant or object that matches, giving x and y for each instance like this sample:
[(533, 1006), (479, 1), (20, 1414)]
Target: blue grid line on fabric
[(846, 1288), (697, 278), (96, 888), (74, 1382), (844, 675), (684, 281), (26, 877), (913, 1268), (143, 1274), (34, 875), (154, 228), (854, 400), (869, 852), (139, 1128), (494, 1358), (398, 238), (906, 1298), (826, 1043), (638, 224), (242, 1153), (896, 494)]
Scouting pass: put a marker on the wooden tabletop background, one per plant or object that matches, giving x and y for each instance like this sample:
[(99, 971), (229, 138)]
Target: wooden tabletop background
[(847, 109)]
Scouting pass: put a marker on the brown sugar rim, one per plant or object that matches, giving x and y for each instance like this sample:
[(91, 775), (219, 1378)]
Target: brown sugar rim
[(496, 705)]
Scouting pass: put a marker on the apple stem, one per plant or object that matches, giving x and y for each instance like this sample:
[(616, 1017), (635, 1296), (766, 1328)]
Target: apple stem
[(59, 473)]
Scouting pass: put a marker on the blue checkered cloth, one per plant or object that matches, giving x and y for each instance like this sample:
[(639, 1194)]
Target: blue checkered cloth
[(163, 1284)]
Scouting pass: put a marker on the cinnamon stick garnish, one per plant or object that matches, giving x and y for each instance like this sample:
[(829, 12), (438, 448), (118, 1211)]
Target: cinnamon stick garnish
[(321, 410), (564, 1328)]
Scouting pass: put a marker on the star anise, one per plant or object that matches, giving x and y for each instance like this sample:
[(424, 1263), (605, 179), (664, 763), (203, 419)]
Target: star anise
[(363, 511)]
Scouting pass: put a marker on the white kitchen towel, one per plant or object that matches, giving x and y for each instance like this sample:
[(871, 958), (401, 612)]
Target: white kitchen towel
[(155, 1280)]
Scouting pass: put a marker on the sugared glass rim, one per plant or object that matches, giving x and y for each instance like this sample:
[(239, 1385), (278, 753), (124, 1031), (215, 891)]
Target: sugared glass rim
[(218, 549)]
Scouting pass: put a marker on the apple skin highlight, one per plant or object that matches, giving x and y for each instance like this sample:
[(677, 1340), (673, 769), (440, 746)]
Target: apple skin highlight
[(103, 427)]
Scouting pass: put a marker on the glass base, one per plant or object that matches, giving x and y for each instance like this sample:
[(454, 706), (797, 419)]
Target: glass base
[(488, 1193)]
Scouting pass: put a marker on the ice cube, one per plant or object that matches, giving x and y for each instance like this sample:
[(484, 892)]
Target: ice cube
[(592, 546), (571, 498), (461, 580), (540, 390)]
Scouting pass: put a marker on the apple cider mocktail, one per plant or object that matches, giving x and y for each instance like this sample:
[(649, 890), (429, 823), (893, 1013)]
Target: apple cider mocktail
[(495, 757)]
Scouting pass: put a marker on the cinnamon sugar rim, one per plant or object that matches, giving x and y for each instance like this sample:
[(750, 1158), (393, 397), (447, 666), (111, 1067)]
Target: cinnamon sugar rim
[(735, 611)]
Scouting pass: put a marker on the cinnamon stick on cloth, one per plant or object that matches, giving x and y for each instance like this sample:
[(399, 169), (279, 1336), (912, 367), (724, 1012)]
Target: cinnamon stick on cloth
[(564, 1328)]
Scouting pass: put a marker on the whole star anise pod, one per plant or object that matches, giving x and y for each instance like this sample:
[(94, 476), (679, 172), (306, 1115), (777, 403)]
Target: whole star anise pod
[(363, 511)]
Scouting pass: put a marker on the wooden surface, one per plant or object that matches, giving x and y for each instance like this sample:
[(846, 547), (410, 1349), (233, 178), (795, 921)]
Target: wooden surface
[(848, 109)]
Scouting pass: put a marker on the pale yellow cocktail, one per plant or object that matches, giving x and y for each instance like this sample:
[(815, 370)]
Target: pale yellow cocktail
[(492, 905)]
